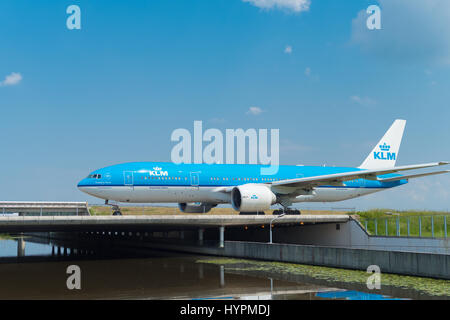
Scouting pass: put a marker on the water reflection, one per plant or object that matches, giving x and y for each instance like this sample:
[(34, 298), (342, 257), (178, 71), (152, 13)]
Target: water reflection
[(354, 295), (12, 247), (39, 272)]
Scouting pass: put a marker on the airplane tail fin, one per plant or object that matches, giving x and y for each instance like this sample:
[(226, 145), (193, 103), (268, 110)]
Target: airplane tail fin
[(385, 153)]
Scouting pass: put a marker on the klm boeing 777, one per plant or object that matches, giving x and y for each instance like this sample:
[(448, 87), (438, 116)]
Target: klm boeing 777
[(199, 187)]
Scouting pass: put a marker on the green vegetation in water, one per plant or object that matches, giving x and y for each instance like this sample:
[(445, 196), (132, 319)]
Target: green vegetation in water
[(432, 287), (5, 237)]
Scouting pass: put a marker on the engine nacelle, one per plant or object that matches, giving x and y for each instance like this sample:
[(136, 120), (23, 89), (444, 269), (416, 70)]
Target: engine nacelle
[(195, 207), (252, 197)]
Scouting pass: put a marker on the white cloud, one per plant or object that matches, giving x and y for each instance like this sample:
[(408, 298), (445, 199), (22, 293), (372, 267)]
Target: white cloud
[(12, 79), (292, 5), (288, 50), (308, 71), (218, 120), (255, 111), (410, 30), (363, 101)]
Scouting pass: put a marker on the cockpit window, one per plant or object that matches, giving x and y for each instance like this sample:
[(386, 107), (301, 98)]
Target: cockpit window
[(94, 176)]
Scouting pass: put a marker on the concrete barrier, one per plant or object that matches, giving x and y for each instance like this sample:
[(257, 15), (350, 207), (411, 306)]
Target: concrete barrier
[(405, 263)]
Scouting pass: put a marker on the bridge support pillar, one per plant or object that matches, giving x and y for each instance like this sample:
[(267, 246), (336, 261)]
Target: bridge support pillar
[(20, 246), (221, 236), (200, 236), (222, 276)]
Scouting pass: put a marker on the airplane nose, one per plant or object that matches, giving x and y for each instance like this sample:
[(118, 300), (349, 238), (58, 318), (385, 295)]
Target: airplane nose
[(82, 185)]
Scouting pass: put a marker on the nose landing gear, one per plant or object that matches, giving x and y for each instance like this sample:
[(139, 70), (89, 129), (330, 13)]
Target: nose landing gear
[(115, 209), (117, 212)]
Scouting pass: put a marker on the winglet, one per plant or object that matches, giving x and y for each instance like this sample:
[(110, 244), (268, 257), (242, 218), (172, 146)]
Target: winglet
[(385, 153)]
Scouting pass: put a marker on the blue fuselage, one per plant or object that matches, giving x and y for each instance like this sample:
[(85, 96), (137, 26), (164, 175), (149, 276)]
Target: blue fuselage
[(169, 182)]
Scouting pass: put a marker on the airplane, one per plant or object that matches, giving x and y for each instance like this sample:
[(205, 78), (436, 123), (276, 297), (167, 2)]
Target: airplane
[(197, 188)]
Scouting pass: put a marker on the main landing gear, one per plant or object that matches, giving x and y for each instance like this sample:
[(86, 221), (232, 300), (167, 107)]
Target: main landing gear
[(258, 213), (286, 211)]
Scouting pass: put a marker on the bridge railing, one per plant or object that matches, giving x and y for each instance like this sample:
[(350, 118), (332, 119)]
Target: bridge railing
[(427, 226)]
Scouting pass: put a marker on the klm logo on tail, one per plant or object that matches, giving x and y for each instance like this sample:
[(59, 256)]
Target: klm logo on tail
[(384, 154)]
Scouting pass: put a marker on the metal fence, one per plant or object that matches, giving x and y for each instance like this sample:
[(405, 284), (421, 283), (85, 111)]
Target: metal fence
[(43, 208), (430, 226)]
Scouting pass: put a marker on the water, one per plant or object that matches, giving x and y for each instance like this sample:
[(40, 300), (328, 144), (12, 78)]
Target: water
[(137, 274), (8, 248)]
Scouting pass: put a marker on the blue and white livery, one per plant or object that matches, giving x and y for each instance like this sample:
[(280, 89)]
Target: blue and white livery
[(199, 187)]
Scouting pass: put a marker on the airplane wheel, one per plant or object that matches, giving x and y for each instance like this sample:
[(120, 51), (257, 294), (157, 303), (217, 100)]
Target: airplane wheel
[(260, 213), (117, 213)]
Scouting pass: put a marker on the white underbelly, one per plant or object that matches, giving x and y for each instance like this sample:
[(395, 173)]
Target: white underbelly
[(157, 194), (331, 194), (164, 194)]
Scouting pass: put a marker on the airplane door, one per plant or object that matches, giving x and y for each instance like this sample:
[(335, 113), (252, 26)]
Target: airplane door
[(128, 178), (195, 179), (362, 183)]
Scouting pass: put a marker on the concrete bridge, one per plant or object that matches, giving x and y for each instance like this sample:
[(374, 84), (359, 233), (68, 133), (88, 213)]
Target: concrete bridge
[(16, 224), (327, 240)]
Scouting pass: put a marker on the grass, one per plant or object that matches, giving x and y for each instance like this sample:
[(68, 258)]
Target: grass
[(377, 221), (5, 237)]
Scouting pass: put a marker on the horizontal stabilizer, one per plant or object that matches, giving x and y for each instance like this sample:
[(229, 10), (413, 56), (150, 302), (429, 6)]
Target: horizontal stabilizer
[(413, 176)]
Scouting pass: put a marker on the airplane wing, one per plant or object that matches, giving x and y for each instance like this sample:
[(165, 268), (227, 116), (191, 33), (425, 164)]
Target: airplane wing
[(413, 176), (339, 178)]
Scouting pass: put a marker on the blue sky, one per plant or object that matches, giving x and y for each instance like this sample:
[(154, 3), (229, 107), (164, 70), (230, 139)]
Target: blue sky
[(72, 101)]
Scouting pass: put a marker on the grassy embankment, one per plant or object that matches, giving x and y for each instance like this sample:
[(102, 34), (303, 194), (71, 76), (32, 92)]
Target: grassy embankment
[(403, 216)]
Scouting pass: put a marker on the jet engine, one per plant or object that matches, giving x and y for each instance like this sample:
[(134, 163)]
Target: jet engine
[(195, 207), (252, 197)]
